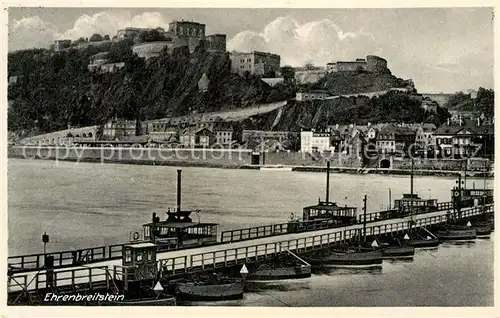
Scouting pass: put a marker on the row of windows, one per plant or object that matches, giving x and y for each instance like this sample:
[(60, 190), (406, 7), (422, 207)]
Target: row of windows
[(386, 143), (138, 257), (243, 60), (306, 96), (190, 31)]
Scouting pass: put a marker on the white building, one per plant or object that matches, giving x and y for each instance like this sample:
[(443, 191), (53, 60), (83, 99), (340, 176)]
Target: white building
[(311, 141), (312, 95)]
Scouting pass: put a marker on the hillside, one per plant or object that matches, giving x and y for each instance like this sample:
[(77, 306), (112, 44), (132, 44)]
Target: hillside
[(394, 106), (484, 102), (56, 89), (350, 82)]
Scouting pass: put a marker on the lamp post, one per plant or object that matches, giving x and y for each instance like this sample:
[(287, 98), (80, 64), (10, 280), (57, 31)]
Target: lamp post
[(45, 240)]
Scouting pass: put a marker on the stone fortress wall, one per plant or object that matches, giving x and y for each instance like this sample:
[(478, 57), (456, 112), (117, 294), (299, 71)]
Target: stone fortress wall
[(372, 63), (376, 64)]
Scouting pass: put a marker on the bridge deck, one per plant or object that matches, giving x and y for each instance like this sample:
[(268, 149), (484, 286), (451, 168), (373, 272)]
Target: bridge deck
[(232, 253), (23, 263)]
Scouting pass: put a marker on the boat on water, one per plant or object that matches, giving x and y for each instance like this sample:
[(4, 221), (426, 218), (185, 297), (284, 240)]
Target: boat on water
[(325, 214), (418, 241), (394, 248), (347, 257), (398, 250), (456, 233), (212, 287), (287, 267), (268, 272), (178, 230), (482, 228), (138, 278), (419, 238)]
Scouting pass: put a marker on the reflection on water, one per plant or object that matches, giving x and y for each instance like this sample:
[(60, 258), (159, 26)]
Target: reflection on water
[(372, 270), (464, 243), (278, 285), (399, 259)]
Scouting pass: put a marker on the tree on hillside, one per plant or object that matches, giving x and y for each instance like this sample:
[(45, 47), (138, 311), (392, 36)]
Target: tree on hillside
[(456, 99), (310, 66), (485, 101), (288, 74), (80, 40), (96, 38), (150, 36), (106, 37), (120, 51)]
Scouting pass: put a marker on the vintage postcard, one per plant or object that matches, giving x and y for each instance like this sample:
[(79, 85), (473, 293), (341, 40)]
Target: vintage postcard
[(212, 156)]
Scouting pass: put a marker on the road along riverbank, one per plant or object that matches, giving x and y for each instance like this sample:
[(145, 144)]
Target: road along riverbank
[(216, 158)]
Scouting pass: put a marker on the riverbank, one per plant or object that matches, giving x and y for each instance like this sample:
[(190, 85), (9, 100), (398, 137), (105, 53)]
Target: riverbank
[(284, 168)]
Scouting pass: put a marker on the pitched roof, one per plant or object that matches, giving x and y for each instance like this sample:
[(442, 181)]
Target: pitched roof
[(448, 130), (391, 129), (428, 127)]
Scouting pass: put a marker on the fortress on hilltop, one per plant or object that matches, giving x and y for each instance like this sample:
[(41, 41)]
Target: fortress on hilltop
[(371, 63)]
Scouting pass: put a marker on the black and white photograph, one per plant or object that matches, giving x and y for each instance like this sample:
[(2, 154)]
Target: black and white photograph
[(249, 157)]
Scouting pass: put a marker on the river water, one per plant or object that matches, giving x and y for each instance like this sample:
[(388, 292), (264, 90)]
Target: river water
[(85, 204)]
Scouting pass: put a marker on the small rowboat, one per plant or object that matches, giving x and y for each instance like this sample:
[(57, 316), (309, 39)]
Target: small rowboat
[(267, 273), (203, 292), (456, 234), (347, 258)]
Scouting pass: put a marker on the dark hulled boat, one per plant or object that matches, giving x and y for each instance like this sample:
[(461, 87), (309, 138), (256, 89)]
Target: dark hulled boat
[(421, 238), (482, 228), (348, 255), (418, 241), (394, 248), (268, 272), (325, 214), (347, 258), (398, 250), (179, 230), (451, 232), (288, 266), (202, 291)]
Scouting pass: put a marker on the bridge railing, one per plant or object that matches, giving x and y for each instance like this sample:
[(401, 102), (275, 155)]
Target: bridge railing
[(393, 214), (88, 276), (275, 229), (101, 253), (75, 257), (233, 256)]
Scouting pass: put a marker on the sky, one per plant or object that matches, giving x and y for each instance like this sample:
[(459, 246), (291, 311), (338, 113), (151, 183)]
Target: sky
[(444, 50)]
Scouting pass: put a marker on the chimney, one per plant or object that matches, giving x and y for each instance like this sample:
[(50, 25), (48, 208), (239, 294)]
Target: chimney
[(448, 122), (478, 122)]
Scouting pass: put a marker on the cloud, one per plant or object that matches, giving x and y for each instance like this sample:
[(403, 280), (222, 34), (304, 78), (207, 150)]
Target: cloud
[(31, 32), (110, 22), (319, 41), (34, 32)]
